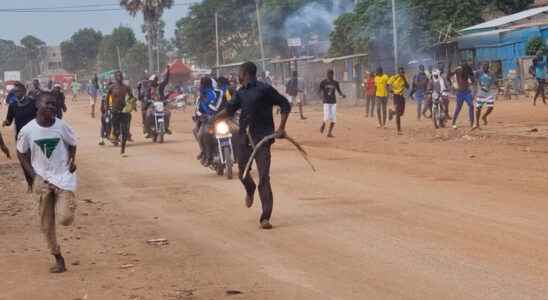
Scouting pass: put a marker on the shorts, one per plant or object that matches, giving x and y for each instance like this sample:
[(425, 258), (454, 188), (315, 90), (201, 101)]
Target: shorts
[(92, 99), (295, 99), (330, 112), (485, 100)]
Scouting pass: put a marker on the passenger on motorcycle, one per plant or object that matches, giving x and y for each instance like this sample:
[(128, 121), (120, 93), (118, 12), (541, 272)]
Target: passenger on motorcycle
[(208, 104), (156, 92)]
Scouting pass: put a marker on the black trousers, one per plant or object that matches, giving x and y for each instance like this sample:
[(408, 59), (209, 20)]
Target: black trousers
[(262, 159), (120, 127)]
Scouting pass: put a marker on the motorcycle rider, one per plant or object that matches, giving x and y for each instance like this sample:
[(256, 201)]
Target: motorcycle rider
[(439, 85), (208, 104), (156, 92)]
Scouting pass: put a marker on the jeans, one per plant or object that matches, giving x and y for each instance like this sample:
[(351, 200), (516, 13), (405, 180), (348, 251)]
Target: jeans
[(262, 159), (464, 96), (399, 103)]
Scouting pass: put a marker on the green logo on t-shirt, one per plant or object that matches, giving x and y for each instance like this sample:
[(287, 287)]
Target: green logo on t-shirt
[(47, 145)]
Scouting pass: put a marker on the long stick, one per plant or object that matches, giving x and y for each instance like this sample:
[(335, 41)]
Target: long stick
[(269, 138)]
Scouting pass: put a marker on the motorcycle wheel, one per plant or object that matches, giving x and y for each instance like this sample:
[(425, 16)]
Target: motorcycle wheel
[(228, 162)]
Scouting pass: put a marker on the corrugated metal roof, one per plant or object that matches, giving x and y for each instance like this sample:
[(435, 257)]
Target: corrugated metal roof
[(496, 23)]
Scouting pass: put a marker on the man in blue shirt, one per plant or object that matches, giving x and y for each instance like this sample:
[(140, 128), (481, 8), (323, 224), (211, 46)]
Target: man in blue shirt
[(208, 105), (539, 71)]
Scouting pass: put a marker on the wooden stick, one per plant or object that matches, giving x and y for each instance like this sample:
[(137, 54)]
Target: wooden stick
[(268, 138)]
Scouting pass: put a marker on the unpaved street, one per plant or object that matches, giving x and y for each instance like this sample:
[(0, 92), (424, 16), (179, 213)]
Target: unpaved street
[(428, 215)]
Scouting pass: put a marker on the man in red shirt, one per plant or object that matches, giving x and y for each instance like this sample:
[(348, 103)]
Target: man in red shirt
[(369, 91)]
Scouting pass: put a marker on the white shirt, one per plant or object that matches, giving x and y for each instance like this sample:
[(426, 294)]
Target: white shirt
[(49, 154)]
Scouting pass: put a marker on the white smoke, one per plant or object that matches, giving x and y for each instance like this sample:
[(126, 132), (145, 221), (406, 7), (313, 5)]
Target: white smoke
[(316, 19)]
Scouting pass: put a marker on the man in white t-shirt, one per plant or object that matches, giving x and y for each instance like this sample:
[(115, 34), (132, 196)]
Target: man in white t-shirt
[(46, 147)]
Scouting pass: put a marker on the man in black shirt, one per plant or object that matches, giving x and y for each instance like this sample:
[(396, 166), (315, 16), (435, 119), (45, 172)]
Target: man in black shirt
[(255, 100), (328, 87), (36, 89), (21, 112), (59, 101)]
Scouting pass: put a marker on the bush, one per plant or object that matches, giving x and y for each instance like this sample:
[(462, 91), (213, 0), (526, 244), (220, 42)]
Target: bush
[(535, 44)]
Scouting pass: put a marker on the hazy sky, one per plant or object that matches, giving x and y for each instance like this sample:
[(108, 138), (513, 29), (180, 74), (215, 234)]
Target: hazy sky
[(56, 27)]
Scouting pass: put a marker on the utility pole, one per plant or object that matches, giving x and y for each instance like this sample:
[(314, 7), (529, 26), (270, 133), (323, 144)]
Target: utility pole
[(395, 34), (158, 48), (119, 59), (257, 8), (217, 41)]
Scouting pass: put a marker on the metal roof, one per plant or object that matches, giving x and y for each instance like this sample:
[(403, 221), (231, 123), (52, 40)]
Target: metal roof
[(508, 20), (332, 59)]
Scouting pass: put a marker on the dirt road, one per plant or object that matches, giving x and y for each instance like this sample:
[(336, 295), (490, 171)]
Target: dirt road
[(428, 215)]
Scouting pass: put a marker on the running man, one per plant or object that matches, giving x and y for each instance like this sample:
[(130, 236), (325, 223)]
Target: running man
[(93, 91), (295, 90), (36, 89), (418, 92), (46, 148), (328, 87), (538, 70), (75, 86), (369, 88), (485, 96), (21, 112), (120, 94), (399, 85), (381, 93), (60, 100), (256, 100), (3, 147), (464, 77)]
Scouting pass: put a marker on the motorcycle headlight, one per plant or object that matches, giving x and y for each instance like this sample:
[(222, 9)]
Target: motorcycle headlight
[(222, 128)]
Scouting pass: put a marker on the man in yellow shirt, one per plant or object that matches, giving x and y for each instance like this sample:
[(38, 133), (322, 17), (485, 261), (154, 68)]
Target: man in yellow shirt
[(381, 95), (399, 85)]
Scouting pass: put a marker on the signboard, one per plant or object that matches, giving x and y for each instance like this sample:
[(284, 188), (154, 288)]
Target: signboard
[(294, 42), (12, 76)]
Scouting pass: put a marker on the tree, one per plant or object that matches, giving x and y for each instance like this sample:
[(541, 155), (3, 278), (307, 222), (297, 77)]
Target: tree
[(534, 45), (119, 41), (80, 51), (33, 46), (135, 61), (11, 58), (420, 24), (152, 11), (513, 6)]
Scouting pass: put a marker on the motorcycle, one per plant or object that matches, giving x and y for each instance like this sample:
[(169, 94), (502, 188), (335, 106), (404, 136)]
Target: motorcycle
[(224, 159), (159, 129), (438, 109)]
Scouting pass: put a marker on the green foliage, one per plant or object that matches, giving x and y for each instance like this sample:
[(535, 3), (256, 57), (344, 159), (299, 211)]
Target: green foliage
[(421, 23), (121, 39), (534, 45), (513, 6), (281, 19), (80, 51), (195, 33), (135, 61), (10, 57)]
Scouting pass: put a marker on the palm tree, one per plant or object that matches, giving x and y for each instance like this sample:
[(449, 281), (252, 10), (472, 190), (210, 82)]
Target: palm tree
[(152, 11)]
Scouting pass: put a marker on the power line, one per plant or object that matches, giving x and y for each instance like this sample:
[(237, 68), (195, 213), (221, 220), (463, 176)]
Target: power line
[(86, 8)]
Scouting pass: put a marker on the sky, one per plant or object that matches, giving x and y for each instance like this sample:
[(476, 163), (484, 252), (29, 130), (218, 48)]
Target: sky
[(53, 28)]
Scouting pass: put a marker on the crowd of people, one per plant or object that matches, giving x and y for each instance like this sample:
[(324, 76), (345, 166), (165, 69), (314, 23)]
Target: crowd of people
[(46, 144)]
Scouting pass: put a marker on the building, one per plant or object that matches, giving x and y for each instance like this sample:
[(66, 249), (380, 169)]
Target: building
[(52, 60), (502, 42)]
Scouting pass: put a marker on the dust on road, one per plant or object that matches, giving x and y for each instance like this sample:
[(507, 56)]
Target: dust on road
[(427, 215)]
